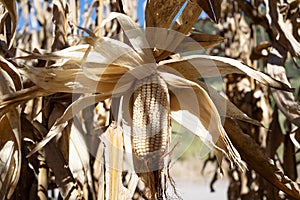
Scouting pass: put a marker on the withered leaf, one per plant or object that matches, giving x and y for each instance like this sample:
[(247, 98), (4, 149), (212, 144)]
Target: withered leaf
[(212, 8), (10, 126), (255, 158), (201, 114), (160, 13), (198, 41), (197, 66), (11, 7)]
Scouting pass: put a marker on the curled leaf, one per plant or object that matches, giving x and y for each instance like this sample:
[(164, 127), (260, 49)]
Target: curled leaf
[(212, 8), (255, 158), (198, 66), (10, 129), (10, 6), (284, 100), (7, 166), (161, 13), (12, 71), (225, 107), (135, 35), (197, 41), (62, 122), (203, 117)]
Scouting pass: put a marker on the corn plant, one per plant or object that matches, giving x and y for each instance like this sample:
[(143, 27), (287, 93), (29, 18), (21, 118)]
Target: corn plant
[(261, 34), (55, 75)]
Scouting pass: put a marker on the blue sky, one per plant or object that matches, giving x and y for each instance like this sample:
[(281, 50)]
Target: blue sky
[(140, 13), (140, 9)]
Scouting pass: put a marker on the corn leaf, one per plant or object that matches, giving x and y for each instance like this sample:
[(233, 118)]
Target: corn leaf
[(284, 27), (79, 157), (284, 100), (99, 172), (7, 165), (12, 71), (113, 139), (212, 8), (161, 13), (201, 116), (62, 122), (183, 25), (106, 51), (11, 100), (135, 35), (56, 161), (198, 66), (60, 13), (225, 107), (11, 131), (187, 18), (198, 41), (11, 7), (255, 158), (68, 80)]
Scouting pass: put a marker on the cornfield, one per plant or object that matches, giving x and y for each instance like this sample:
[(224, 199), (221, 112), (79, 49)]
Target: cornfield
[(89, 97)]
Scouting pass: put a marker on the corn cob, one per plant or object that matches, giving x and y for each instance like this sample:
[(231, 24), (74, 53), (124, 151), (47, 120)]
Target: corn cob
[(150, 130)]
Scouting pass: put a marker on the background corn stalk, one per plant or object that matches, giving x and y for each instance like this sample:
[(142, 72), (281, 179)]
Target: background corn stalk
[(65, 166), (51, 26), (263, 34)]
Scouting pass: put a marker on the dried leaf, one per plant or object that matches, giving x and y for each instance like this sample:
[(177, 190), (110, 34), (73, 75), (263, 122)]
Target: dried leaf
[(62, 122), (12, 71), (11, 7), (295, 137), (83, 70), (198, 66), (68, 80), (289, 158), (212, 8), (198, 41), (110, 51), (57, 110), (106, 51), (113, 139), (13, 99), (183, 25), (135, 35), (60, 13), (11, 127), (99, 172), (79, 157), (275, 136), (201, 119), (56, 161), (284, 27), (7, 165), (225, 107), (255, 158), (161, 13), (284, 100), (187, 18)]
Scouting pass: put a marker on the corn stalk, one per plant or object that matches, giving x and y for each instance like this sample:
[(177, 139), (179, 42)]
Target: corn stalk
[(264, 36), (66, 74)]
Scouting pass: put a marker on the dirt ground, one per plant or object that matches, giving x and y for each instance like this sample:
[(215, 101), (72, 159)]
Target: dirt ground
[(192, 184)]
